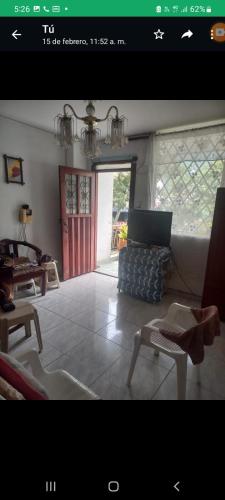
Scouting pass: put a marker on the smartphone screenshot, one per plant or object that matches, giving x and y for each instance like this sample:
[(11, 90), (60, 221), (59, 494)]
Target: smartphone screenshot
[(112, 205)]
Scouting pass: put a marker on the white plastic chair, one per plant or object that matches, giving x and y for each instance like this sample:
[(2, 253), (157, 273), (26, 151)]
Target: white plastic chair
[(58, 384), (179, 318)]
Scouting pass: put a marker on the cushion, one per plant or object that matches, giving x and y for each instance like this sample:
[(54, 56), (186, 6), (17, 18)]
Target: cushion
[(7, 391), (21, 260), (16, 375), (9, 262)]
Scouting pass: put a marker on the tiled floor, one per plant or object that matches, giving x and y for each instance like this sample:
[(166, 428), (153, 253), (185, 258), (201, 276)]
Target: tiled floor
[(88, 329), (110, 268)]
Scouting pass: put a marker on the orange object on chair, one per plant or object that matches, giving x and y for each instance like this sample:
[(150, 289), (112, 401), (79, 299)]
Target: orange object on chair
[(194, 339)]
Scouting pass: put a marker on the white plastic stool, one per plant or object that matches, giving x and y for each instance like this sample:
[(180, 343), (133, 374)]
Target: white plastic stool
[(22, 315), (29, 282), (51, 266)]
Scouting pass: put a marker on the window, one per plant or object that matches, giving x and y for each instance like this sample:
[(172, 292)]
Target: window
[(188, 170)]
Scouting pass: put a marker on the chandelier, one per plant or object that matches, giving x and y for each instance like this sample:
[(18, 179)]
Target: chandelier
[(66, 129)]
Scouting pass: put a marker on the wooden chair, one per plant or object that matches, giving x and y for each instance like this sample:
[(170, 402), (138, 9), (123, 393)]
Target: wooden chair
[(11, 276), (9, 247)]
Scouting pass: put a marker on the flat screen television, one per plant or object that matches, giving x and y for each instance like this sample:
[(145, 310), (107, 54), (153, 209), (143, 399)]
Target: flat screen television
[(150, 227)]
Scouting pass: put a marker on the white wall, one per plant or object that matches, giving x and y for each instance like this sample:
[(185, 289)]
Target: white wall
[(73, 157), (68, 157), (190, 254), (105, 205), (79, 160), (41, 190)]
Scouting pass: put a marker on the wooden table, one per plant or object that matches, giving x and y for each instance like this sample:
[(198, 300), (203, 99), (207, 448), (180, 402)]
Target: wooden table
[(10, 276)]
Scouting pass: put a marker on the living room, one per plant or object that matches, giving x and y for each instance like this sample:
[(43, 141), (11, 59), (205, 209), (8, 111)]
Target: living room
[(88, 326)]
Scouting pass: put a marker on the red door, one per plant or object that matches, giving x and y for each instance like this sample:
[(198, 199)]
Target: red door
[(78, 219)]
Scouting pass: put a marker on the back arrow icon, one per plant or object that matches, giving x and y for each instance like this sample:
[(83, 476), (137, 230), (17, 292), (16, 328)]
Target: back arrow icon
[(176, 486), (187, 34), (15, 34)]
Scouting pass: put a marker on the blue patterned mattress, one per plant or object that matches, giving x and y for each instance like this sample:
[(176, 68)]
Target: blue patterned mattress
[(142, 272)]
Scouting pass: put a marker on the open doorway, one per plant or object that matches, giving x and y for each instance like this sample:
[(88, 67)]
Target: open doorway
[(115, 196)]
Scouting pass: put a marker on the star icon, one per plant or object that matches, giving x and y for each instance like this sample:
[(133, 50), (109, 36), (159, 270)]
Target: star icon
[(159, 34)]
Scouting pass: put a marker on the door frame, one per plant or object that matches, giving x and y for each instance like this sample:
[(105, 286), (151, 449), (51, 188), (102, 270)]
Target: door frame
[(106, 161), (133, 169)]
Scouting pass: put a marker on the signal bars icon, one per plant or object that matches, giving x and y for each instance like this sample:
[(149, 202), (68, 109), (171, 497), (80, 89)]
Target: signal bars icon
[(50, 486)]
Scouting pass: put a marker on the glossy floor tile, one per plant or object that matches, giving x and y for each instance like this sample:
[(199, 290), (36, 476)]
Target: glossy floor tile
[(195, 391), (88, 329), (66, 336), (93, 320), (47, 356), (110, 267), (146, 380), (90, 359)]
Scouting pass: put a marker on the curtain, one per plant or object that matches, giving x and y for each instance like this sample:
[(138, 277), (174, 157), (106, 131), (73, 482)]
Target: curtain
[(200, 144), (223, 176), (149, 161)]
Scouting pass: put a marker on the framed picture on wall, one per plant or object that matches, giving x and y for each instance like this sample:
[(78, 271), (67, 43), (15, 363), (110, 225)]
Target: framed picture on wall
[(13, 169)]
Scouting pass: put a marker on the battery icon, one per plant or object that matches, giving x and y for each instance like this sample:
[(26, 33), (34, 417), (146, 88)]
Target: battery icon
[(209, 9)]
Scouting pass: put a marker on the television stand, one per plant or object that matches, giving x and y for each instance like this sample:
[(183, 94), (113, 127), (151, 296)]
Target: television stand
[(142, 272)]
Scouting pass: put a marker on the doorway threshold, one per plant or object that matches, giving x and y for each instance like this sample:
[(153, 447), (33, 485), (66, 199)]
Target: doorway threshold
[(105, 274), (108, 268)]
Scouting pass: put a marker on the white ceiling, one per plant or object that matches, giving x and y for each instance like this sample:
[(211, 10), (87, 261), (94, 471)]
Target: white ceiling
[(143, 116)]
